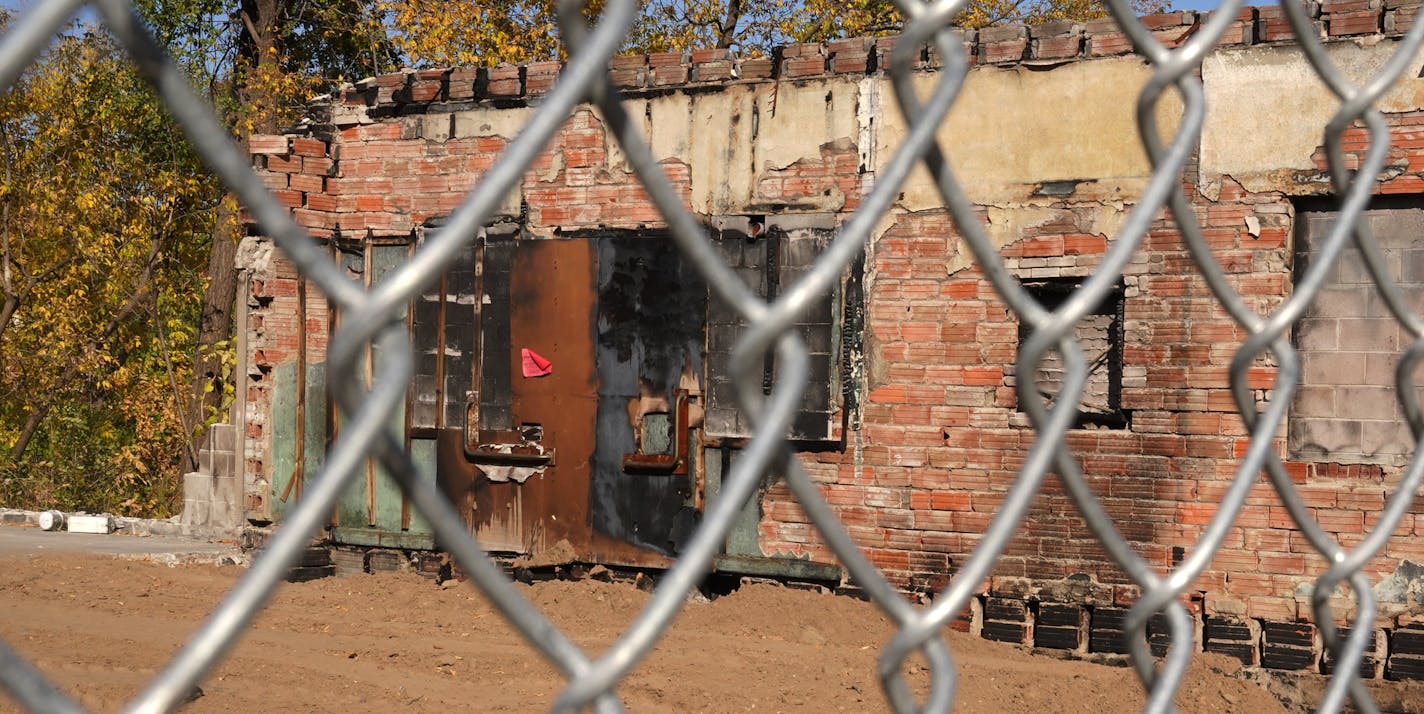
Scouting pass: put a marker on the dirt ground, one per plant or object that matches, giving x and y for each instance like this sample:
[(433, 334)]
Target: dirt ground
[(397, 642)]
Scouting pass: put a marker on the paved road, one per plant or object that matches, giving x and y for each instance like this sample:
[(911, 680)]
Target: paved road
[(28, 540)]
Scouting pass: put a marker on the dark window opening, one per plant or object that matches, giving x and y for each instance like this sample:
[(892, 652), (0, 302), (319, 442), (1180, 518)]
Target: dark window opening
[(454, 323), (770, 256), (1100, 336)]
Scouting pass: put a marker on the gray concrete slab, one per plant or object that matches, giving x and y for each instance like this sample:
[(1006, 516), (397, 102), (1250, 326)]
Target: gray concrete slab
[(29, 540)]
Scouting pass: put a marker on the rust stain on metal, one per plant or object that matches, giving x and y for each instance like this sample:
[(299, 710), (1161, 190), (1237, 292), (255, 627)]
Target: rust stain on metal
[(477, 354), (544, 295), (674, 463), (454, 474), (551, 308)]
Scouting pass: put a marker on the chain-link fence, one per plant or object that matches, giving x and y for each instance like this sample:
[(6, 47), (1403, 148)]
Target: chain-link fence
[(367, 317)]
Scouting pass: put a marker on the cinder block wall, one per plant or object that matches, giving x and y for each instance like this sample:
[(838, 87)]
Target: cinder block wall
[(941, 435)]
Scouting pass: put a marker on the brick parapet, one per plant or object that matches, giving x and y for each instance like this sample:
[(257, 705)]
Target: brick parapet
[(297, 168), (410, 91)]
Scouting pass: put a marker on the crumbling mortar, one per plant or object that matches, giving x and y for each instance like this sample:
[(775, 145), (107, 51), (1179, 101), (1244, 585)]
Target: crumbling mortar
[(395, 93)]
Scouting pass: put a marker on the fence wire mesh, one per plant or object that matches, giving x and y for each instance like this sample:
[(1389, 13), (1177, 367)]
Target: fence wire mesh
[(592, 680)]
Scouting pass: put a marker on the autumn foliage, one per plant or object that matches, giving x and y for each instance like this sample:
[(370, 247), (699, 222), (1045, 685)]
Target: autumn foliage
[(104, 221)]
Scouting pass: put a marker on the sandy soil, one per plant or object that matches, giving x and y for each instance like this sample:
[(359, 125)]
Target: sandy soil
[(396, 642)]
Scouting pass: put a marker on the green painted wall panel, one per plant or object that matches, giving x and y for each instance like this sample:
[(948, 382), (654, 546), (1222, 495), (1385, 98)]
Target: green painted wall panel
[(314, 456), (422, 451), (282, 432), (384, 259), (744, 538), (351, 508)]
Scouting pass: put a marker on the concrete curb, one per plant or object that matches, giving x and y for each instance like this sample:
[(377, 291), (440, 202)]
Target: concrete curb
[(137, 526)]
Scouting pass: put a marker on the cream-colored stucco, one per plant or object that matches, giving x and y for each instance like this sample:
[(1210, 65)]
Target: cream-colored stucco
[(730, 137), (1013, 128), (505, 123), (668, 127), (720, 158), (488, 121), (1267, 110), (795, 120), (1109, 219)]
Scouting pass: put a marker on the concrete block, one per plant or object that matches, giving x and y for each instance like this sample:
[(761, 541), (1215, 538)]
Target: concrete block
[(197, 513), (221, 514), (198, 486), (190, 510), (222, 464), (223, 437), (91, 524), (227, 489), (227, 503)]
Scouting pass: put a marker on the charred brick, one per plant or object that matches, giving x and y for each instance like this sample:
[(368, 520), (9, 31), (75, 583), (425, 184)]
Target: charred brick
[(1004, 609), (1005, 632), (1106, 633), (1052, 614), (1404, 667), (1369, 665), (1058, 638), (1244, 651), (1408, 641), (1278, 657), (1219, 629), (1290, 634)]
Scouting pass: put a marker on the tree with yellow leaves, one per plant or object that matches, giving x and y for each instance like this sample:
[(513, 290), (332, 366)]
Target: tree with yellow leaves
[(105, 216)]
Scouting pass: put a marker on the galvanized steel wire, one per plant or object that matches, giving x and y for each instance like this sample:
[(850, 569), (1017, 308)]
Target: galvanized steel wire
[(593, 680)]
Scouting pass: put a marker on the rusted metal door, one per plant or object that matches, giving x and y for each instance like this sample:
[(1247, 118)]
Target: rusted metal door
[(524, 471), (589, 454), (592, 453), (595, 449)]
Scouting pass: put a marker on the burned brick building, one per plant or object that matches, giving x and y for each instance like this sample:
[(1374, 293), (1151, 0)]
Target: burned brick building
[(572, 394)]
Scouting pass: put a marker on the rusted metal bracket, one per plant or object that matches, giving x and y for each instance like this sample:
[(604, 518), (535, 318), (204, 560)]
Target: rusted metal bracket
[(505, 448), (674, 463), (532, 456)]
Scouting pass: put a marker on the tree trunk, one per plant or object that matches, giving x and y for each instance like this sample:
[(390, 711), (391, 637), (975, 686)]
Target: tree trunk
[(258, 47), (215, 326), (7, 312), (728, 31)]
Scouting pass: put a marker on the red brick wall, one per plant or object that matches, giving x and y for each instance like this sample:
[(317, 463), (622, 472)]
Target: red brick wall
[(942, 437), (275, 329)]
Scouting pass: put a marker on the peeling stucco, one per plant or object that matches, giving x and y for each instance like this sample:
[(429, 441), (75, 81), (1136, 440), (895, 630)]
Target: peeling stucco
[(1267, 111), (1066, 123)]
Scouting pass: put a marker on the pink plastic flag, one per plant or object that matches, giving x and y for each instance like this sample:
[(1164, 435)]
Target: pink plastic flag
[(534, 365)]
